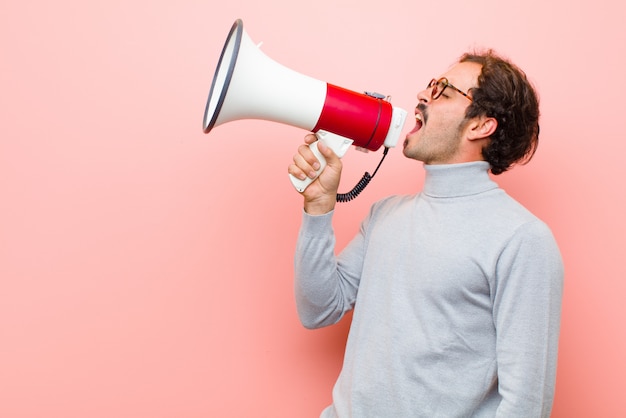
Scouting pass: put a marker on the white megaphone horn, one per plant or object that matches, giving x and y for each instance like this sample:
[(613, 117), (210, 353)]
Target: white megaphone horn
[(249, 85)]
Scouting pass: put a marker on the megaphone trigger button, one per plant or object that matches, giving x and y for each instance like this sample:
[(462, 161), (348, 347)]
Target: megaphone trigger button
[(375, 95)]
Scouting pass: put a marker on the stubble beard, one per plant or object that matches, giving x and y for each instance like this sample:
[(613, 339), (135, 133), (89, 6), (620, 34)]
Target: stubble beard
[(435, 148)]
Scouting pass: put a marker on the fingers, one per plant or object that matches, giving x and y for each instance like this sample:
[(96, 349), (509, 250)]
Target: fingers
[(309, 160), (320, 196), (310, 138), (305, 163)]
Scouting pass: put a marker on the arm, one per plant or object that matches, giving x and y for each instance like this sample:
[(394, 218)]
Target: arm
[(323, 293), (527, 311), (324, 288)]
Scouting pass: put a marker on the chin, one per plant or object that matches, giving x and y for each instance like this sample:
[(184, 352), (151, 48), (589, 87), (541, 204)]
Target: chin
[(410, 141), (408, 150)]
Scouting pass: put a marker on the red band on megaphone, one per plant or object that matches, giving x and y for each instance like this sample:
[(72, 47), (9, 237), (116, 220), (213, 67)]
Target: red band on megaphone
[(357, 116)]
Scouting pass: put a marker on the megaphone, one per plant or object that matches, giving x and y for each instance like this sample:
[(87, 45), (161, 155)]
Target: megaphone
[(249, 85)]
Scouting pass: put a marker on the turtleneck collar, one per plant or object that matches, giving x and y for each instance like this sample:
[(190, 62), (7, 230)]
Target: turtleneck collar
[(456, 180)]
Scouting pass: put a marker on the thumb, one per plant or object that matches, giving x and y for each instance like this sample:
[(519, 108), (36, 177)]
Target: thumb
[(331, 158), (329, 177)]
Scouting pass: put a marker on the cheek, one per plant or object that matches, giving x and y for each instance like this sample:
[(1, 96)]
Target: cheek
[(447, 123)]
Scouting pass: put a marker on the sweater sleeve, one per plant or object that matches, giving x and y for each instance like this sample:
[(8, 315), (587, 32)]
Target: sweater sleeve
[(325, 288), (527, 310)]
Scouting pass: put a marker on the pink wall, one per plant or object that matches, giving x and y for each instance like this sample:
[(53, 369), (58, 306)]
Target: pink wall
[(145, 268)]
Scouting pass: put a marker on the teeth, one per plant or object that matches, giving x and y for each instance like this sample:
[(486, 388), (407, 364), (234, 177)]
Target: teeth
[(418, 117)]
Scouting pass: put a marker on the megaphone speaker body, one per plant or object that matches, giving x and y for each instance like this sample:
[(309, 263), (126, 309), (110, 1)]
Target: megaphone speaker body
[(249, 85)]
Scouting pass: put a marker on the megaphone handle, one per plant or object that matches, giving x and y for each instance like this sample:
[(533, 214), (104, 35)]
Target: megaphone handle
[(337, 143)]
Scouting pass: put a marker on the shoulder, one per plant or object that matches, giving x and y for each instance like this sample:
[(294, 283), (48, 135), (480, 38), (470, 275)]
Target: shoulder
[(536, 234), (392, 203)]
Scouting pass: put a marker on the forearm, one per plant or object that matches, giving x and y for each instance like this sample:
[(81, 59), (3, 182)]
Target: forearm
[(321, 295)]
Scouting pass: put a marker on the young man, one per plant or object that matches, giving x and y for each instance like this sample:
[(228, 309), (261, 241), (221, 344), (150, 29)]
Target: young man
[(456, 290)]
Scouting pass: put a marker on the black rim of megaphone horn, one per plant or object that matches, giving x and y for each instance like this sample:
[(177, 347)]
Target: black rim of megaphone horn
[(236, 30)]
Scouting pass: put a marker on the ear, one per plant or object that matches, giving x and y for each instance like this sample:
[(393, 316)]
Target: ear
[(482, 127)]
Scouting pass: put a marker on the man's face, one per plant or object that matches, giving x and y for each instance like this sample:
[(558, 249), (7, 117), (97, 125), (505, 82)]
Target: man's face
[(439, 132)]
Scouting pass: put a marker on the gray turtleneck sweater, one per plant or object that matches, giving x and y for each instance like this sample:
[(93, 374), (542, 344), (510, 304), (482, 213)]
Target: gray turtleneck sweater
[(456, 294)]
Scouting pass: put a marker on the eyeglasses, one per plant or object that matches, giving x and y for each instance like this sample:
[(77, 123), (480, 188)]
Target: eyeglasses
[(438, 86)]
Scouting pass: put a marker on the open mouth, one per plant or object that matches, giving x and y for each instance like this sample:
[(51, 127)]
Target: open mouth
[(419, 122)]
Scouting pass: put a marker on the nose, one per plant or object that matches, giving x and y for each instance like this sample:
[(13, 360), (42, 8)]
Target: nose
[(424, 95)]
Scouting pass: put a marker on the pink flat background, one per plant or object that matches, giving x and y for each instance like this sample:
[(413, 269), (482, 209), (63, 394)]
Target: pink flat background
[(146, 268)]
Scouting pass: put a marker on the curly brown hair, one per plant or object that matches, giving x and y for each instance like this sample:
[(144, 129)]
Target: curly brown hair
[(505, 93)]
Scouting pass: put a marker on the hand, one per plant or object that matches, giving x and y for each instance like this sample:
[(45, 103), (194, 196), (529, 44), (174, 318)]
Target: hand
[(321, 195)]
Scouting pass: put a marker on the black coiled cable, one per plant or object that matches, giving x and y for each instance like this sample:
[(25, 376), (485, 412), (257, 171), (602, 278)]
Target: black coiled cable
[(365, 180)]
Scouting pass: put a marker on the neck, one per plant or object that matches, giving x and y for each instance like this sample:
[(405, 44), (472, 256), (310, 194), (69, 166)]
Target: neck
[(455, 180)]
